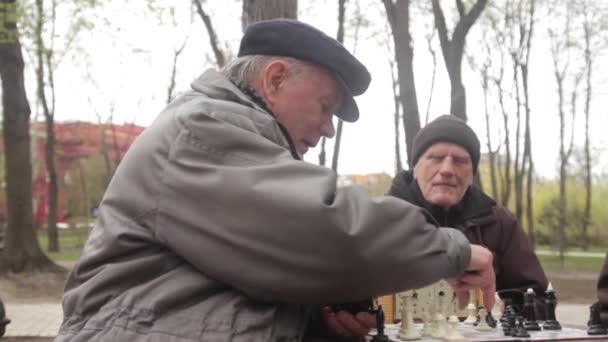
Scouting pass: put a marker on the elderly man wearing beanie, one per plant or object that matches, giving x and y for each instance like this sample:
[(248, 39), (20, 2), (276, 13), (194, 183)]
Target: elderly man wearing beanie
[(445, 155), (214, 229)]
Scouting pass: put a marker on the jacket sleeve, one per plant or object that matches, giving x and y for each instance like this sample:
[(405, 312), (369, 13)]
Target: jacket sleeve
[(241, 210), (519, 267)]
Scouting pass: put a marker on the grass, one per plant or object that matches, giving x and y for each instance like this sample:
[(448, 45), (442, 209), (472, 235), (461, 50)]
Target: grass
[(71, 242), (592, 249), (573, 263)]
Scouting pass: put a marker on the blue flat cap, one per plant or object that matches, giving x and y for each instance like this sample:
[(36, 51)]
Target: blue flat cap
[(293, 38)]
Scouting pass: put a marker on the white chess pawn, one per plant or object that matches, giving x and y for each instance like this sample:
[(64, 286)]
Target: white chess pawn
[(483, 325), (427, 321), (452, 333), (407, 331), (471, 314)]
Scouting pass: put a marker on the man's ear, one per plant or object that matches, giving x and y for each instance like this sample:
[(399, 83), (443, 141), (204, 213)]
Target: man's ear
[(273, 77)]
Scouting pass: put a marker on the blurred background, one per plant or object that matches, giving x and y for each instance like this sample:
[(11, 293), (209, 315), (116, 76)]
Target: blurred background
[(82, 78)]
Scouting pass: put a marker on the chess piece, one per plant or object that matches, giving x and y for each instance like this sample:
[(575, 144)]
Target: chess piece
[(439, 326), (499, 307), (407, 331), (483, 324), (529, 312), (520, 330), (508, 326), (595, 326), (507, 305), (550, 302), (490, 320), (3, 319), (472, 314), (380, 336), (427, 321), (452, 333)]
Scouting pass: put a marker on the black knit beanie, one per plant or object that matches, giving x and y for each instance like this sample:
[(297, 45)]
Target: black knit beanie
[(447, 128)]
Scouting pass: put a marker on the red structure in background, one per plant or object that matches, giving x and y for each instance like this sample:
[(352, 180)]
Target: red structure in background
[(73, 140)]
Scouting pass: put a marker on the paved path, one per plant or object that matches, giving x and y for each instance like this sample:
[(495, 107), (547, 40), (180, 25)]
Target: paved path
[(576, 254), (33, 320), (43, 320)]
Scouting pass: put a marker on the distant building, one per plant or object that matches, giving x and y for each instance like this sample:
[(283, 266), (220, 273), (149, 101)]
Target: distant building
[(377, 184), (73, 141)]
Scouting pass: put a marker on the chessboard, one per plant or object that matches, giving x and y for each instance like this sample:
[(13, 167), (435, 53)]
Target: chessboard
[(470, 334)]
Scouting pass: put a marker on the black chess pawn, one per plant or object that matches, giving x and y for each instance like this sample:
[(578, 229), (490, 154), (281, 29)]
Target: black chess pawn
[(508, 326), (595, 326), (520, 330), (3, 319), (507, 304), (529, 312), (380, 336), (551, 322)]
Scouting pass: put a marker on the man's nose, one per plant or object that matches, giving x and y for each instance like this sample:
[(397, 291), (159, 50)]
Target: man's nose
[(327, 129), (446, 167)]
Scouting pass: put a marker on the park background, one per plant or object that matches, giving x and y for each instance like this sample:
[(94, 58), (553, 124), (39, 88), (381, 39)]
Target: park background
[(528, 75)]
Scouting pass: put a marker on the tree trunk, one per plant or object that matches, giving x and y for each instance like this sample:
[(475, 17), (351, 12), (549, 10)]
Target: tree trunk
[(21, 250), (399, 18), (526, 32), (453, 50), (340, 38), (43, 59), (257, 10), (588, 92)]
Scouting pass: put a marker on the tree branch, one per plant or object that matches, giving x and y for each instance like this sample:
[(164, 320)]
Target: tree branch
[(219, 55)]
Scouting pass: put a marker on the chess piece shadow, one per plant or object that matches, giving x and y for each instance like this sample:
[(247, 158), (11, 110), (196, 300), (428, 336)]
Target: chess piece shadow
[(3, 319), (380, 335)]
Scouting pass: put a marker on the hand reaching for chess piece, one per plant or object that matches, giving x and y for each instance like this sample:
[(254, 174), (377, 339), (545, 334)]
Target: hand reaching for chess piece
[(479, 274)]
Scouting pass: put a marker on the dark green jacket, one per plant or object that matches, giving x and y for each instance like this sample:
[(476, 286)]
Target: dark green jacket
[(486, 223)]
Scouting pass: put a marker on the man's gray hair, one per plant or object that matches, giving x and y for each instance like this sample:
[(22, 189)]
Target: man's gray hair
[(243, 70)]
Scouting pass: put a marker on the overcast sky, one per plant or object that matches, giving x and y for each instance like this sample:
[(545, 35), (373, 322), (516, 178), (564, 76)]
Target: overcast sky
[(130, 69)]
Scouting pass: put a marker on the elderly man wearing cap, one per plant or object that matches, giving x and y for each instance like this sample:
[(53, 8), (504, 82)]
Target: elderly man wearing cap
[(445, 155), (214, 229)]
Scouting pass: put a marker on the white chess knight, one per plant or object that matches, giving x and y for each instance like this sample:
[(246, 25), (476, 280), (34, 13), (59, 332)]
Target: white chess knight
[(483, 325), (499, 307), (452, 333), (408, 330)]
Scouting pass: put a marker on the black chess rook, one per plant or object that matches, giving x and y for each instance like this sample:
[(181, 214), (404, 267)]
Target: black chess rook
[(551, 322), (595, 326)]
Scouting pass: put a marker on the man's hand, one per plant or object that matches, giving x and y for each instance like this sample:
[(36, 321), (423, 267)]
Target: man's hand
[(347, 325), (479, 274)]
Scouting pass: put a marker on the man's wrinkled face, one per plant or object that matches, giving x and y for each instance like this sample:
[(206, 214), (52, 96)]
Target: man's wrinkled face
[(304, 102), (444, 173)]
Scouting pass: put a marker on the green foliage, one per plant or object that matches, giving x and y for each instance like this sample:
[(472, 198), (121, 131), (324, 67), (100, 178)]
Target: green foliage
[(8, 21), (545, 197)]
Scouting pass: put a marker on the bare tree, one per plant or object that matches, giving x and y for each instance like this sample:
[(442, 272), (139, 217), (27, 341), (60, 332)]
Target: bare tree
[(21, 250), (397, 104), (220, 57), (560, 55), (593, 17), (526, 29), (256, 10), (398, 13), (453, 49)]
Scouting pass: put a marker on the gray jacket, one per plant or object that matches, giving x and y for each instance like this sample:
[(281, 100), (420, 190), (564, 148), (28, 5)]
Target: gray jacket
[(210, 230)]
